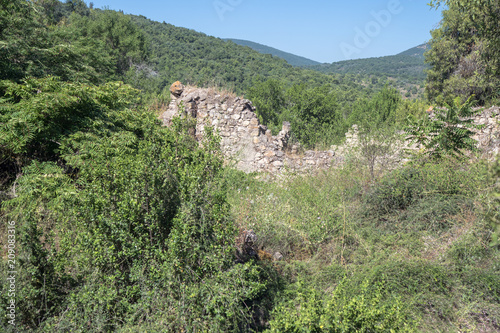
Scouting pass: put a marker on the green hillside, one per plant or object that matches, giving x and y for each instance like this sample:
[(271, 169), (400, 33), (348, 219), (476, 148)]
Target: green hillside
[(417, 51), (292, 59), (404, 71), (408, 65)]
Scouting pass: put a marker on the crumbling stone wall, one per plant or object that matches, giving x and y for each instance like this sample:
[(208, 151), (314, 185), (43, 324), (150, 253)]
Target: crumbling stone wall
[(488, 137), (250, 146), (246, 143)]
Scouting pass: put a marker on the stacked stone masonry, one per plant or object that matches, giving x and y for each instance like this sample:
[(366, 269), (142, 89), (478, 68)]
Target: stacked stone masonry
[(251, 147)]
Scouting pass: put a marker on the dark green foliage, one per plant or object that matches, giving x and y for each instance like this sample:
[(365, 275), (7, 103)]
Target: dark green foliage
[(407, 66), (464, 53), (31, 47), (124, 40), (448, 133), (377, 112), (321, 115), (314, 113), (38, 114), (195, 58), (404, 72)]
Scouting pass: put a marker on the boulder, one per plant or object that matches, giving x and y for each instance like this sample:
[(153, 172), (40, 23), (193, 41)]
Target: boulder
[(177, 88)]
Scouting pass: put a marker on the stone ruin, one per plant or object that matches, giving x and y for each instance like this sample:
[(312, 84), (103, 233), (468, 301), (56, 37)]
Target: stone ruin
[(246, 143), (251, 147)]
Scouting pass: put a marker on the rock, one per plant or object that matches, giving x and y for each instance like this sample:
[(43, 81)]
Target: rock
[(286, 127), (277, 256), (243, 139), (269, 153), (177, 88), (278, 164)]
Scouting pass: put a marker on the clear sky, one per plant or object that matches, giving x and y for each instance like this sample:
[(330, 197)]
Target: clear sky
[(321, 30)]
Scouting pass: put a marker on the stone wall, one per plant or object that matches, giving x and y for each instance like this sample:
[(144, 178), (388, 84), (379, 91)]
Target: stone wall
[(245, 143), (488, 137), (250, 146)]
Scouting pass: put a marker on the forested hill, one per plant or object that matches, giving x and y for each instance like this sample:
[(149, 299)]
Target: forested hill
[(292, 59), (408, 65), (417, 51), (193, 57)]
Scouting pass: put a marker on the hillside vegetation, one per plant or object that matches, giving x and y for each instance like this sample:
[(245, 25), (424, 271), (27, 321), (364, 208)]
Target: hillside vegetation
[(110, 222), (405, 71), (292, 59)]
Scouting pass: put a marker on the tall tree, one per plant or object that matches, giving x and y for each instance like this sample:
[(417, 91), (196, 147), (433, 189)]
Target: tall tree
[(465, 52)]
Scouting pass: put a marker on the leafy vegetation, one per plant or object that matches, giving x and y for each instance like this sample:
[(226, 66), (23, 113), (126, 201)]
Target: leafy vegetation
[(464, 53), (407, 65), (320, 116), (116, 214), (404, 71), (124, 225), (407, 250), (449, 132)]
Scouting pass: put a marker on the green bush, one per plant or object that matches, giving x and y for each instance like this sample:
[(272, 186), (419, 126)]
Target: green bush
[(371, 310), (122, 210), (409, 185)]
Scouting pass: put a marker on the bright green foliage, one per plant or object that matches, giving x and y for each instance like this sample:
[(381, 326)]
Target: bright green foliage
[(38, 114), (314, 115), (113, 209), (31, 47), (22, 38), (379, 111), (269, 99), (322, 115), (464, 53), (313, 112), (449, 133), (371, 310)]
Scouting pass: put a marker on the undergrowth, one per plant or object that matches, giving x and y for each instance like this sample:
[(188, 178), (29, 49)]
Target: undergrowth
[(407, 251)]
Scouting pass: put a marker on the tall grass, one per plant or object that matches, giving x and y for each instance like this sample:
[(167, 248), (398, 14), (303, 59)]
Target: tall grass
[(414, 238)]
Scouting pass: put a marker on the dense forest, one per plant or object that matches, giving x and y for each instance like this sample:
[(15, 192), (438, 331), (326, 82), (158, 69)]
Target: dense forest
[(405, 71), (111, 222)]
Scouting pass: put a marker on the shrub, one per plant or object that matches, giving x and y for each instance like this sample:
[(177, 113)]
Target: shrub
[(407, 186), (122, 210), (371, 310)]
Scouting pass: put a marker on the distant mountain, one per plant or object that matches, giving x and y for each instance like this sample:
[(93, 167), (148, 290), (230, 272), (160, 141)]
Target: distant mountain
[(408, 65), (292, 59), (417, 51)]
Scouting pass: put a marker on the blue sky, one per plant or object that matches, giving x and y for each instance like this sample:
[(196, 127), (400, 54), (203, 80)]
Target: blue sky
[(321, 30)]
